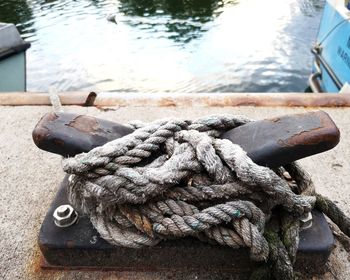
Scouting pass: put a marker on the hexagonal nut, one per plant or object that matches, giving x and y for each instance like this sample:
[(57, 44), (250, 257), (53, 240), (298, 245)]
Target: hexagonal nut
[(65, 216), (306, 221)]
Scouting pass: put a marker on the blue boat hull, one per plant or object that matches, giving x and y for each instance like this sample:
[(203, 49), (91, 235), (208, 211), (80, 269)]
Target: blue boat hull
[(332, 52)]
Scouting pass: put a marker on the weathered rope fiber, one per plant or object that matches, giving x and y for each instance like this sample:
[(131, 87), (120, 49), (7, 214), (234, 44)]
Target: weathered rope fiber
[(175, 178)]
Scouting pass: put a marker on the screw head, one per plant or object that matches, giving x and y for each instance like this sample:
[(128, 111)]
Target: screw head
[(65, 216)]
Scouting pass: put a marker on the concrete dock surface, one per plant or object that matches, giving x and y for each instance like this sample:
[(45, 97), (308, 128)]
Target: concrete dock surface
[(30, 178)]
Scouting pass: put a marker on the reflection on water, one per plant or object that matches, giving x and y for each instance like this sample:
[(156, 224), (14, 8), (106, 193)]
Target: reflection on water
[(17, 12), (184, 20), (162, 45)]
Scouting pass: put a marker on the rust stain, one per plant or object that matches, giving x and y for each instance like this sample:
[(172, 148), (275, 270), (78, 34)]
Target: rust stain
[(85, 124), (222, 100), (106, 109), (34, 266), (288, 101), (326, 132), (40, 131), (49, 117), (274, 120), (59, 142), (34, 269), (231, 102), (70, 243), (167, 102), (141, 222), (192, 99)]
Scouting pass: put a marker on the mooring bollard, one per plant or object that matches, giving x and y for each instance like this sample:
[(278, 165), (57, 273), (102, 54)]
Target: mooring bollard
[(272, 142)]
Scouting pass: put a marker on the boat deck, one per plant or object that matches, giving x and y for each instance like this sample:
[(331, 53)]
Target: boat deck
[(30, 178)]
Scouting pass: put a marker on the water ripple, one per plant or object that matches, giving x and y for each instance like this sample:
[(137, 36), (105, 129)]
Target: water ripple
[(161, 45)]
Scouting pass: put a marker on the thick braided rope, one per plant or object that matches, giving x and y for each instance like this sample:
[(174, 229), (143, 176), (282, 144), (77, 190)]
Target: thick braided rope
[(175, 178)]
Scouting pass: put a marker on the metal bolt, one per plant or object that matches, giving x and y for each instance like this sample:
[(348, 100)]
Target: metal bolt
[(65, 216), (306, 221), (63, 210)]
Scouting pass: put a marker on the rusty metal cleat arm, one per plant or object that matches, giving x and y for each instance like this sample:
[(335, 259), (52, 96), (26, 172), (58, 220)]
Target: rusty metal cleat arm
[(70, 134), (271, 142), (278, 141)]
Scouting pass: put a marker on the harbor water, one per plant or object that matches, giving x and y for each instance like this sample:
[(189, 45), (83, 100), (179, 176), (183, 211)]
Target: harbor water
[(167, 46)]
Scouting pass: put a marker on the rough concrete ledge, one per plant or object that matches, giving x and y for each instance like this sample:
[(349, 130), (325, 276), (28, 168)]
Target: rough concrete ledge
[(30, 178)]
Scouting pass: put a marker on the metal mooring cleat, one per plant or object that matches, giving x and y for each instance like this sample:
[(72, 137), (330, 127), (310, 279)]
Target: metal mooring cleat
[(273, 142)]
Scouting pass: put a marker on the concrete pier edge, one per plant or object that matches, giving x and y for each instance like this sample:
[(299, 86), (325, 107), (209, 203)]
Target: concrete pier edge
[(30, 177)]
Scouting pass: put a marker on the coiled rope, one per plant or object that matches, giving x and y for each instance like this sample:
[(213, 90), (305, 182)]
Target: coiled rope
[(176, 178)]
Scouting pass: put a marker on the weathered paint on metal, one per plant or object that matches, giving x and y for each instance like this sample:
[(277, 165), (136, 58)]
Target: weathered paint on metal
[(224, 99), (327, 131), (85, 124), (278, 141), (272, 142), (81, 247), (70, 134), (181, 99)]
